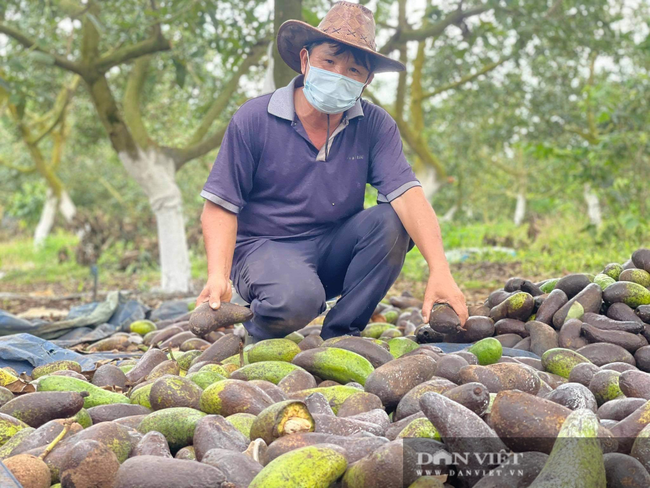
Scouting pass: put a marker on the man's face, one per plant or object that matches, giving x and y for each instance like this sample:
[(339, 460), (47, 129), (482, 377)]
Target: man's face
[(322, 56)]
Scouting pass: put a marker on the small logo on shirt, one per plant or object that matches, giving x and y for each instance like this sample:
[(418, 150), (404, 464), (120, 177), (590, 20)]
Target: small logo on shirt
[(355, 157)]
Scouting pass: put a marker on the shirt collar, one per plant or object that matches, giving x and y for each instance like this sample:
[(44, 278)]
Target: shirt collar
[(281, 102)]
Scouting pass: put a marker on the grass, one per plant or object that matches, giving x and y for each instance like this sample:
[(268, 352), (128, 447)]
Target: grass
[(559, 247), (21, 263)]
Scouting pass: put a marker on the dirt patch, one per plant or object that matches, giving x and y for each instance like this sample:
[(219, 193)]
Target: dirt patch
[(476, 280), (18, 300)]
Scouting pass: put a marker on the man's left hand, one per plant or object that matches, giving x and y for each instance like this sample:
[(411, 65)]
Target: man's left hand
[(444, 290)]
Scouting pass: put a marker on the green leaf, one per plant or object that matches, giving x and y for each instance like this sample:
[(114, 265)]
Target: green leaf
[(310, 17), (41, 57), (604, 117), (181, 71), (5, 85)]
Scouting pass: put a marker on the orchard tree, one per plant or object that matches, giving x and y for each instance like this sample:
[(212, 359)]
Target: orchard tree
[(110, 39), (33, 129), (454, 47)]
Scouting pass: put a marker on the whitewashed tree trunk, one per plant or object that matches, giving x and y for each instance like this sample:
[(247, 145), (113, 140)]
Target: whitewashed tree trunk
[(269, 82), (155, 173), (46, 221), (67, 207), (520, 209), (593, 206), (449, 215), (429, 180)]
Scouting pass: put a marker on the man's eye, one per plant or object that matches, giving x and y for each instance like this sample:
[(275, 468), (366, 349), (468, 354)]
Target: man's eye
[(329, 61), (355, 70)]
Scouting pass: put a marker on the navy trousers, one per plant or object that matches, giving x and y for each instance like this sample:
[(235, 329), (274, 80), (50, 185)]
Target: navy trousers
[(288, 281)]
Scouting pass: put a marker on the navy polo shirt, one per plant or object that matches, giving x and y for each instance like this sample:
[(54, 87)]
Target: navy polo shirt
[(281, 186)]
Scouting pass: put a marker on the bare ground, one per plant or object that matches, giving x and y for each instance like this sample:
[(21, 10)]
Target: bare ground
[(476, 280)]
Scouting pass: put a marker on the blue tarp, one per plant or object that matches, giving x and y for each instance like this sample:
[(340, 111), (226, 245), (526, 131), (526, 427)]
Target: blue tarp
[(10, 324), (170, 310), (127, 312), (24, 352), (507, 351), (116, 310), (86, 334), (81, 310), (8, 480), (91, 322)]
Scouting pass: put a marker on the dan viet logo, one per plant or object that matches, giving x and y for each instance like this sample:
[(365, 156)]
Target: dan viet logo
[(496, 464)]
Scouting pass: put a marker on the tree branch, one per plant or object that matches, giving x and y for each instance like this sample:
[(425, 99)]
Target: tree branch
[(90, 35), (152, 45), (198, 145), (429, 30), (386, 25), (400, 96), (132, 102), (59, 138), (7, 164), (554, 8), (591, 119), (465, 79), (507, 169), (416, 109), (52, 117), (183, 155), (586, 135), (591, 134), (111, 117), (29, 43), (417, 144)]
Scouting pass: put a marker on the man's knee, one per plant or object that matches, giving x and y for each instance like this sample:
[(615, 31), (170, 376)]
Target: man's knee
[(290, 306), (387, 223)]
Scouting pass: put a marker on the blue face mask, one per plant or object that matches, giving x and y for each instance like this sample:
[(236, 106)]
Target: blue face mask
[(329, 92)]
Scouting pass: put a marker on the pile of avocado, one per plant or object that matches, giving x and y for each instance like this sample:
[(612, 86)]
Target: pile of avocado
[(550, 387)]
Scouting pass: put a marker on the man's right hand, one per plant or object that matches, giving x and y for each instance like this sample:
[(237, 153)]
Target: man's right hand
[(216, 290)]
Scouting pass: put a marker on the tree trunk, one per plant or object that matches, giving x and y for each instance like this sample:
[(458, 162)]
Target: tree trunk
[(67, 207), (593, 206), (52, 204), (284, 10), (429, 179), (155, 173), (520, 209), (449, 215), (269, 83), (46, 221)]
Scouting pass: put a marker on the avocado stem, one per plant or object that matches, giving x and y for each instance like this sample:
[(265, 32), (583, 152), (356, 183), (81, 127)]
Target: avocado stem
[(66, 427)]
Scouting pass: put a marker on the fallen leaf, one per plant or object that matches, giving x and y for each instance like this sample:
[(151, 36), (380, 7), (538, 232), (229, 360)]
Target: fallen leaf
[(19, 387)]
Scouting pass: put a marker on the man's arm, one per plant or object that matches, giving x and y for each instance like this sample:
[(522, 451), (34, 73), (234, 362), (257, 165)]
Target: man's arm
[(219, 235), (420, 221)]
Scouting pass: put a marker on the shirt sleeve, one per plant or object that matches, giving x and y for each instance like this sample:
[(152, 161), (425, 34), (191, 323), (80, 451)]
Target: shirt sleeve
[(231, 177), (389, 172)]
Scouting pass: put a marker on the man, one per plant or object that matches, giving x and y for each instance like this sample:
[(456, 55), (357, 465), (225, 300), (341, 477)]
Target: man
[(284, 215)]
